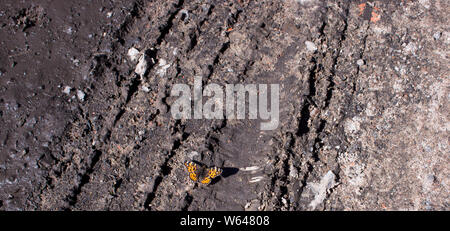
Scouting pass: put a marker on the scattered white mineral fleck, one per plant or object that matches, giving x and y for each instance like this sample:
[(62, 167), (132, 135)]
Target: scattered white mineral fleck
[(141, 67), (256, 179), (67, 90), (360, 62), (68, 30), (145, 89), (192, 154), (252, 168), (321, 189), (310, 46), (370, 109), (109, 14), (304, 1), (293, 171), (352, 125), (163, 67), (437, 35), (410, 48), (133, 54), (75, 61), (80, 95), (162, 62), (425, 3)]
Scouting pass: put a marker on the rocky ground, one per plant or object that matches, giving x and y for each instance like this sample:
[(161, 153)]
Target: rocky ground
[(364, 91)]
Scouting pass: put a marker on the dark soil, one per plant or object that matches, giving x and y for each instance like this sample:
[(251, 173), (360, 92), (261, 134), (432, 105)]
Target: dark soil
[(363, 113)]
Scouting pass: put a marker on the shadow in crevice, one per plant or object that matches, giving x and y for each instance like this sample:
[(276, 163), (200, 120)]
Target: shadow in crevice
[(227, 172)]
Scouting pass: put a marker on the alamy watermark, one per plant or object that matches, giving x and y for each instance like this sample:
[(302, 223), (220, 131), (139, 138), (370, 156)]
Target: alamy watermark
[(234, 102)]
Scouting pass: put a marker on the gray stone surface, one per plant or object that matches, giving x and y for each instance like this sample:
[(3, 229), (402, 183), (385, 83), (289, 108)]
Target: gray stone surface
[(364, 90)]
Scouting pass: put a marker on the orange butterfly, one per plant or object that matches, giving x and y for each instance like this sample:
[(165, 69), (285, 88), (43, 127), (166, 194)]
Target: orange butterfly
[(201, 173)]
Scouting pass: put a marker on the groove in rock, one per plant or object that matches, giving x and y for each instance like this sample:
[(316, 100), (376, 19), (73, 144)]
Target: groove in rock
[(84, 178), (165, 169)]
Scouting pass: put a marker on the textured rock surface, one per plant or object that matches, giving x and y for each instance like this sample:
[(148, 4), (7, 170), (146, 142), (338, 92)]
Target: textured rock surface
[(364, 92)]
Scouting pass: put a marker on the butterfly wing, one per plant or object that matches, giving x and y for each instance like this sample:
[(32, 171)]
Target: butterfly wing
[(211, 173), (192, 169), (214, 172), (206, 180)]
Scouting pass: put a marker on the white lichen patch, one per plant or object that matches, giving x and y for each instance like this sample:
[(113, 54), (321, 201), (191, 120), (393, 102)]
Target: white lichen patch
[(80, 95), (163, 66), (321, 189), (310, 46), (192, 155), (133, 54), (410, 48), (142, 66), (352, 125)]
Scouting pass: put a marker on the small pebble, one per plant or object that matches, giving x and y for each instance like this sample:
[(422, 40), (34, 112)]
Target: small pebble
[(68, 30), (67, 90), (133, 54), (75, 61), (164, 66), (145, 89), (80, 95), (310, 46), (360, 62), (141, 67), (437, 35)]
